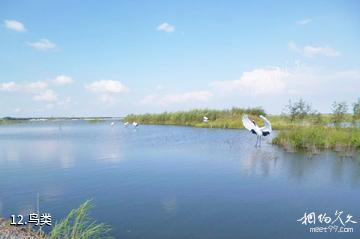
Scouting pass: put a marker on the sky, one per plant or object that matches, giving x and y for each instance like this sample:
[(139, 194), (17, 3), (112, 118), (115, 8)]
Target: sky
[(112, 58)]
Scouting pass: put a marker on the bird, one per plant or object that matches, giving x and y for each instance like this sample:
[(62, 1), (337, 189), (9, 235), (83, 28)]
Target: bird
[(253, 128), (205, 119), (112, 124), (126, 123), (135, 124)]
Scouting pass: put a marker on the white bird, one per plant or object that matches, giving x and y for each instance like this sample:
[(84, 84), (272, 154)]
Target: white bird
[(135, 124), (253, 128), (205, 119), (112, 124), (126, 123)]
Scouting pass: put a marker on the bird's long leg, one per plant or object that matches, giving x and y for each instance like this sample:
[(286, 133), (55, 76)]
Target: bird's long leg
[(257, 141), (260, 141)]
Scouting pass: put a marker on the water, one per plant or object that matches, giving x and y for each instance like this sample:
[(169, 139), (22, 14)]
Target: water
[(173, 182)]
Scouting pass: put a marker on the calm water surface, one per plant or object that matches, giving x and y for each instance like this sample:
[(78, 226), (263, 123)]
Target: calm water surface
[(173, 182)]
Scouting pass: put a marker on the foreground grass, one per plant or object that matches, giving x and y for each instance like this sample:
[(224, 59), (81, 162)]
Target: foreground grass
[(78, 225), (318, 138)]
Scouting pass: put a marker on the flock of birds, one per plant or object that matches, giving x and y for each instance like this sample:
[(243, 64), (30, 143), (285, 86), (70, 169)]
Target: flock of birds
[(135, 124), (248, 124)]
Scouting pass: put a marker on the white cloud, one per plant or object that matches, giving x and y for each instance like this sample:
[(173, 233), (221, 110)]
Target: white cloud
[(15, 25), (47, 95), (192, 96), (311, 51), (259, 81), (38, 89), (107, 86), (42, 45), (304, 21), (62, 80), (32, 87), (166, 27), (8, 86)]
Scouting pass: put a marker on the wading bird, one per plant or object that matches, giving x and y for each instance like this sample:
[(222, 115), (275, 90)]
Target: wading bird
[(135, 124), (205, 119), (126, 123), (112, 124), (253, 128)]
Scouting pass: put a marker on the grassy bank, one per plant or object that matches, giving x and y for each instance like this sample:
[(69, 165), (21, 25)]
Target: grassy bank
[(217, 118), (228, 118), (317, 138), (312, 132), (76, 225)]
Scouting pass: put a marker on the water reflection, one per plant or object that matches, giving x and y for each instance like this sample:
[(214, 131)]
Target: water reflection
[(170, 204)]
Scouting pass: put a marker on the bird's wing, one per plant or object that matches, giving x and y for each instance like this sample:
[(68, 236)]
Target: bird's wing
[(267, 123), (247, 123)]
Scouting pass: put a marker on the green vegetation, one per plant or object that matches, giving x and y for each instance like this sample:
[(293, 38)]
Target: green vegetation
[(302, 128), (95, 120), (298, 110), (10, 120), (217, 118), (339, 110), (232, 118), (356, 110), (320, 137), (78, 225)]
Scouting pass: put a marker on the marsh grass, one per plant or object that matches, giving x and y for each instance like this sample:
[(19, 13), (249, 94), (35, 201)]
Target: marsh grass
[(230, 118), (79, 225), (217, 118), (312, 139)]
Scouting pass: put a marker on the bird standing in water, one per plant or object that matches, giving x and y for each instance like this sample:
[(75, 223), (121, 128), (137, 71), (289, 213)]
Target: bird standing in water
[(255, 129)]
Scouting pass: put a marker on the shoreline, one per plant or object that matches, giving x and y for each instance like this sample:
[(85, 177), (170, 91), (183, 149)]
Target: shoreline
[(8, 231)]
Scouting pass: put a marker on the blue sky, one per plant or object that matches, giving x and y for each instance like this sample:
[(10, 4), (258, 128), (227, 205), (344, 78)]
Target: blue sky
[(111, 58)]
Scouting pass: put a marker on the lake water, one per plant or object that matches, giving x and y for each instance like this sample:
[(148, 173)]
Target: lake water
[(174, 182)]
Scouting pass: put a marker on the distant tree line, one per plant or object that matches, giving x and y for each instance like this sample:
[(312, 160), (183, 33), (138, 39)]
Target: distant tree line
[(299, 110)]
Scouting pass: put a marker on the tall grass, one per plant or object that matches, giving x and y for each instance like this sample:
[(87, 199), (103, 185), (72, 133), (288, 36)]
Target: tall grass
[(79, 225), (318, 138), (230, 118)]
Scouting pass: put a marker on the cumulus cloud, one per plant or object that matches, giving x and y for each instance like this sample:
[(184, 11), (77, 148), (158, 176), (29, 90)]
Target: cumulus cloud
[(107, 89), (312, 51), (192, 96), (107, 86), (47, 95), (32, 87), (15, 25), (38, 89), (8, 86), (304, 21), (62, 80), (166, 27), (258, 81), (42, 45)]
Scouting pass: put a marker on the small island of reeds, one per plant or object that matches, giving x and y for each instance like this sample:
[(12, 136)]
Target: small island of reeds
[(300, 127)]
